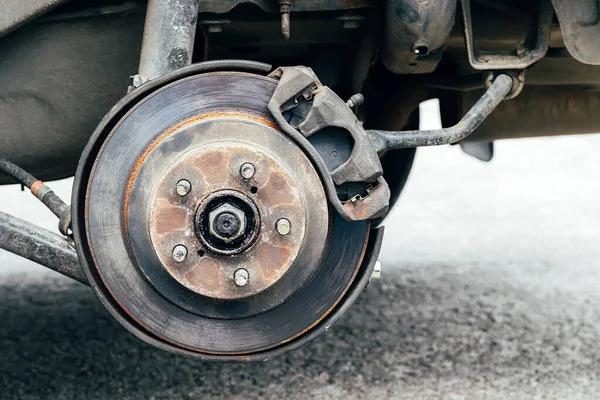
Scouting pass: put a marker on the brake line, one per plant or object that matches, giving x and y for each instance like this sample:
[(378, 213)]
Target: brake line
[(42, 192)]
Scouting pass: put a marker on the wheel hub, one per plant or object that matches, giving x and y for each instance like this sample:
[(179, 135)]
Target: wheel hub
[(227, 221)]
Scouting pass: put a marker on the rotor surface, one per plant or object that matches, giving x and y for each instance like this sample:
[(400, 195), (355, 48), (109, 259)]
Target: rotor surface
[(137, 168)]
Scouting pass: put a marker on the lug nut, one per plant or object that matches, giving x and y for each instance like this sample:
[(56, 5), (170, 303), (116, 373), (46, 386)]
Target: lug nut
[(241, 277), (179, 253), (247, 170), (183, 187), (283, 226)]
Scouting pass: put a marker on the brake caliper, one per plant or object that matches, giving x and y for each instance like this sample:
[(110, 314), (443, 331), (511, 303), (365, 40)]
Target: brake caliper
[(349, 166)]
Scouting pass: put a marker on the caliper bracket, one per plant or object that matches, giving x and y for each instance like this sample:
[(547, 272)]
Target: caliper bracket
[(302, 106)]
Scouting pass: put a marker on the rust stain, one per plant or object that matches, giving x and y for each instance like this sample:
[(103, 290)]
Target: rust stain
[(206, 275), (169, 218), (272, 262), (213, 166)]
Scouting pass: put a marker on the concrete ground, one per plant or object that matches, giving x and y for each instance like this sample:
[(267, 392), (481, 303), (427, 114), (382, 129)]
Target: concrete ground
[(489, 291)]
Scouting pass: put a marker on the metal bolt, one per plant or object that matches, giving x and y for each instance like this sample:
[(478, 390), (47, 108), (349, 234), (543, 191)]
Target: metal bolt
[(355, 101), (227, 224), (241, 277), (283, 226), (179, 253), (376, 274), (232, 223), (247, 170), (138, 80), (183, 187)]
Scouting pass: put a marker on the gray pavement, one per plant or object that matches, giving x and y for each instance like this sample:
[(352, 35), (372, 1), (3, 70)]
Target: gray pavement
[(489, 290)]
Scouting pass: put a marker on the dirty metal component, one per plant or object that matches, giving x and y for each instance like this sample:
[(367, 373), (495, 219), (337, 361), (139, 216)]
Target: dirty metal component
[(213, 149), (41, 246), (414, 33), (228, 225), (42, 192), (355, 101), (285, 8), (283, 226), (224, 6), (257, 327), (169, 35), (521, 58), (183, 187), (226, 203), (241, 277), (499, 89), (179, 253), (580, 25), (227, 222), (309, 109), (247, 170)]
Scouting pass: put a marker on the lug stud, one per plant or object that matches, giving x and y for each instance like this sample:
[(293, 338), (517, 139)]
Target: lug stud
[(283, 226), (179, 253), (241, 277), (247, 170), (183, 187)]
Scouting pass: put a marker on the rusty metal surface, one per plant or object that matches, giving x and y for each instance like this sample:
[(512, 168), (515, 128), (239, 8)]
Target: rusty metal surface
[(41, 246), (310, 108), (223, 6), (282, 187), (518, 58), (127, 294), (580, 25)]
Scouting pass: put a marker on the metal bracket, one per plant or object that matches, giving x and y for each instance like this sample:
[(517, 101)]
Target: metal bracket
[(524, 57), (302, 106)]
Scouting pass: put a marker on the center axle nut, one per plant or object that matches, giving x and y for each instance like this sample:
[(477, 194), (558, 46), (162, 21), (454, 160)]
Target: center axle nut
[(227, 222)]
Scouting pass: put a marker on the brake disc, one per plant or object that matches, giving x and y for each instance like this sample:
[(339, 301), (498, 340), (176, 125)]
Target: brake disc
[(189, 185)]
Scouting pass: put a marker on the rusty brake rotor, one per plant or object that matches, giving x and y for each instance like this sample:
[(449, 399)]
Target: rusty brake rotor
[(206, 230)]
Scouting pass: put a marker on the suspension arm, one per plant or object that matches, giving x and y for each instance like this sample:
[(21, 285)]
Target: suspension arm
[(40, 245)]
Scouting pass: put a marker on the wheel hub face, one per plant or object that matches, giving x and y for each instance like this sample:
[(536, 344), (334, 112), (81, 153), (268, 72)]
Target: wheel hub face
[(226, 221), (205, 230)]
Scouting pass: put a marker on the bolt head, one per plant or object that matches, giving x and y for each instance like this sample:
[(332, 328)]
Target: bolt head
[(232, 223), (241, 277), (247, 170), (283, 226), (183, 187), (179, 253)]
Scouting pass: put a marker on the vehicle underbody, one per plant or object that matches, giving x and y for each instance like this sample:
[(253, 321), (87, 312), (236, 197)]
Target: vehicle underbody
[(234, 160)]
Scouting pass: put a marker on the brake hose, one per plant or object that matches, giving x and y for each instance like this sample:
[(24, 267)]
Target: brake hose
[(42, 191)]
